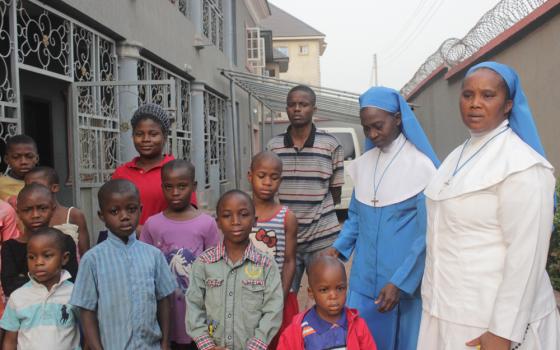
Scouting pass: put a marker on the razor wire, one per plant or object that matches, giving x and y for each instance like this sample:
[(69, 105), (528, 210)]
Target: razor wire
[(453, 51)]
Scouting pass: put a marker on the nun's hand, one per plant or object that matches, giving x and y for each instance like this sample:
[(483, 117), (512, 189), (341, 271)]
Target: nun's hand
[(388, 298), (490, 341), (331, 251)]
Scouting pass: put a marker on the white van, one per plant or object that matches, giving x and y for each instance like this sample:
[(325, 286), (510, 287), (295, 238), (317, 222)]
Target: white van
[(350, 144)]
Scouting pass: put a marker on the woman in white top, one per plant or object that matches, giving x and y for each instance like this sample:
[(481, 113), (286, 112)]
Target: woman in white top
[(490, 209)]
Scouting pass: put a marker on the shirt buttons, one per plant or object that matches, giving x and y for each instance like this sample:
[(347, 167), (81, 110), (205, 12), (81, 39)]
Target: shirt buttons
[(228, 315), (229, 337), (230, 294)]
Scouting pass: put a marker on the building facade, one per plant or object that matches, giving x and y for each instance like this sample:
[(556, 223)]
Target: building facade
[(73, 71), (301, 43)]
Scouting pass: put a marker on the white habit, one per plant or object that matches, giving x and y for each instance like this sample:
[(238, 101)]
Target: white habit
[(488, 234)]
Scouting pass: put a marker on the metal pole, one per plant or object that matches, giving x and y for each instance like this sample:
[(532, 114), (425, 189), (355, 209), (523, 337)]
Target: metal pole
[(375, 68), (263, 146), (235, 134)]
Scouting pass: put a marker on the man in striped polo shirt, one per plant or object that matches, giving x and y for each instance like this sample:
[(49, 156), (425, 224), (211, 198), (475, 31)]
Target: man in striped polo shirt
[(312, 177)]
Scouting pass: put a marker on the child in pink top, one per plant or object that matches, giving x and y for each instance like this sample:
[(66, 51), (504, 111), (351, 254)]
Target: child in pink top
[(182, 233), (8, 230)]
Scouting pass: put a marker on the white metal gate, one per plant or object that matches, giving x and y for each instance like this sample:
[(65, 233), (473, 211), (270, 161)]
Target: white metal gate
[(99, 109)]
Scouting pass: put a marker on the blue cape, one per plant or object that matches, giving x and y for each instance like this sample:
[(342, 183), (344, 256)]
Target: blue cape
[(520, 119), (390, 100)]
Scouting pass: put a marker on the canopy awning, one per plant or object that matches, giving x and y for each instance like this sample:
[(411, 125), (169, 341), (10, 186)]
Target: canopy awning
[(332, 104)]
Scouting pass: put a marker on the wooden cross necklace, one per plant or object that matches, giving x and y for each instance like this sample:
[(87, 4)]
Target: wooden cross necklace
[(458, 168), (376, 185)]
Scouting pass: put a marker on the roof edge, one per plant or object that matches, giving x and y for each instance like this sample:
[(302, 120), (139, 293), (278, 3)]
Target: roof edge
[(258, 9)]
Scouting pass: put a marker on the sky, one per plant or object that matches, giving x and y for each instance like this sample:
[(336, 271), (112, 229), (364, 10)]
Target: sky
[(403, 33)]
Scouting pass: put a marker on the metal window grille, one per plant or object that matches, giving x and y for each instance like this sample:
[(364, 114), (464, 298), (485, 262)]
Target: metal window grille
[(37, 38), (214, 136), (180, 137), (213, 22), (183, 6)]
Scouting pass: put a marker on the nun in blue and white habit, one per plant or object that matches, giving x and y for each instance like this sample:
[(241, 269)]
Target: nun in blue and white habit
[(490, 210), (386, 224)]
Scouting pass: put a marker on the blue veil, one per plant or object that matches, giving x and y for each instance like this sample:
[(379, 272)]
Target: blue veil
[(390, 100), (520, 119)]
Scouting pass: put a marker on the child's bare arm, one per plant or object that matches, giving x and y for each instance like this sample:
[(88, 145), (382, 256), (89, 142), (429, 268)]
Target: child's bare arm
[(90, 327), (78, 218), (10, 341), (289, 268), (164, 319)]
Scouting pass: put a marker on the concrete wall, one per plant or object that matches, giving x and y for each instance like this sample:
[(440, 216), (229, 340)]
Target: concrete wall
[(534, 53), (304, 69)]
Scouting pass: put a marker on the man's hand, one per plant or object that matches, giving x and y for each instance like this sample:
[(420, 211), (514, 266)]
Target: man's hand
[(388, 298), (489, 341)]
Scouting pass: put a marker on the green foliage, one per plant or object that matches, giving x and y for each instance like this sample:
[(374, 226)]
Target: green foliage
[(553, 266)]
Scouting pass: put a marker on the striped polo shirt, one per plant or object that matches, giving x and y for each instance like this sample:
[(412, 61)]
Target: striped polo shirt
[(44, 319), (307, 176)]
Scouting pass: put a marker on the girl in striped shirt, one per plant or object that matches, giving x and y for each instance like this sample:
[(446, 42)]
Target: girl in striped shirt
[(276, 229)]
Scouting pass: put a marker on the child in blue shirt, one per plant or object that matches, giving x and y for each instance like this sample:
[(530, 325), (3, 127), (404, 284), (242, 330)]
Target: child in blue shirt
[(38, 315), (123, 286)]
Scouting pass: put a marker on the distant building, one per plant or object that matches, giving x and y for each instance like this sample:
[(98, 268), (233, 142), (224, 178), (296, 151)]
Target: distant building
[(301, 43)]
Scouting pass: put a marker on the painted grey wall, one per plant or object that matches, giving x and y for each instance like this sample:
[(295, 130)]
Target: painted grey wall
[(535, 54)]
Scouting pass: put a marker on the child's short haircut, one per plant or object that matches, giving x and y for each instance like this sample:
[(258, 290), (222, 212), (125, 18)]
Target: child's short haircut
[(34, 187), (20, 139), (178, 164), (322, 260), (51, 232), (120, 186), (47, 172), (232, 193), (307, 89), (259, 157)]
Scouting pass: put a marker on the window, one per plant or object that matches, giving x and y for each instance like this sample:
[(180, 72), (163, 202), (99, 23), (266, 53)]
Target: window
[(213, 22), (214, 136), (284, 50), (304, 50), (255, 50)]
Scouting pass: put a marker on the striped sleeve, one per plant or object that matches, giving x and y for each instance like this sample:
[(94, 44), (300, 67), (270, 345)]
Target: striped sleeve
[(84, 294), (337, 179), (165, 282), (10, 321)]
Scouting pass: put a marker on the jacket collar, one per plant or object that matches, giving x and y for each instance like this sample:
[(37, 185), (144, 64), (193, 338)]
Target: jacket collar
[(251, 253)]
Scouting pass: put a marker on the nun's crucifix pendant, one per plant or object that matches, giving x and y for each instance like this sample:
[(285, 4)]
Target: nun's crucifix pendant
[(374, 201)]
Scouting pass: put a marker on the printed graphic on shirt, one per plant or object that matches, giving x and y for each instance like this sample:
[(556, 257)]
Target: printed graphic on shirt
[(64, 315), (212, 326), (253, 271), (268, 240), (180, 261)]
